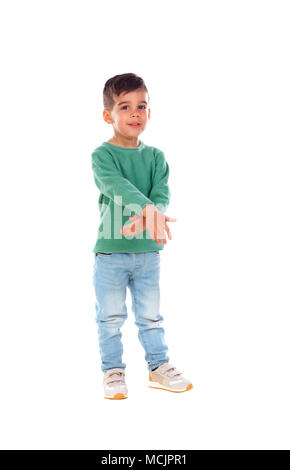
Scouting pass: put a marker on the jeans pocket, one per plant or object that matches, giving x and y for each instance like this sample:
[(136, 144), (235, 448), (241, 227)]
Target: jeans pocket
[(104, 254)]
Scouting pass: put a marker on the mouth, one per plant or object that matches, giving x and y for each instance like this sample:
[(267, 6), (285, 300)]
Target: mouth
[(135, 124)]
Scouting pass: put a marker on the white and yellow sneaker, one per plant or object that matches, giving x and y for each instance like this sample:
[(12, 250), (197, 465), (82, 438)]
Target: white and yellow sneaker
[(115, 387), (167, 377)]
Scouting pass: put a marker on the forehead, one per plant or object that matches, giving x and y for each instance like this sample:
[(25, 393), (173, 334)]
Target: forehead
[(132, 96)]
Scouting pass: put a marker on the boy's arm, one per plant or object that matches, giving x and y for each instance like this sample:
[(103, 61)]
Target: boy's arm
[(160, 193), (111, 183)]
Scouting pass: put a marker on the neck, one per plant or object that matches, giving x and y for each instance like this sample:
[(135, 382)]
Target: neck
[(125, 142)]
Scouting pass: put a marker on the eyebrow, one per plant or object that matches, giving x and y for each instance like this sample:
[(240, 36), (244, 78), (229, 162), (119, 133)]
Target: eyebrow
[(123, 102)]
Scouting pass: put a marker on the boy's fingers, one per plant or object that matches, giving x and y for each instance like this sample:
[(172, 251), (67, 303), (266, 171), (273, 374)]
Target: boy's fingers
[(161, 235), (151, 233), (168, 232), (161, 230), (128, 228), (170, 219)]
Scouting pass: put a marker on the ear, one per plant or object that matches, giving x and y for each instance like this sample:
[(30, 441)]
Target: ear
[(107, 116)]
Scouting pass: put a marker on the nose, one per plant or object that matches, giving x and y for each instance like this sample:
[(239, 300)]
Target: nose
[(137, 111)]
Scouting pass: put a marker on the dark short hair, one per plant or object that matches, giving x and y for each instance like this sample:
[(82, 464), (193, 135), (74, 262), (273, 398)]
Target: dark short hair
[(120, 83)]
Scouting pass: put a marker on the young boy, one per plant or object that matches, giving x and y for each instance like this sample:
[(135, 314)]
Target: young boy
[(131, 177)]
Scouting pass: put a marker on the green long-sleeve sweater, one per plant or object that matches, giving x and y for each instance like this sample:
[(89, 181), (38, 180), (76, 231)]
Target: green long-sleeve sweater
[(128, 180)]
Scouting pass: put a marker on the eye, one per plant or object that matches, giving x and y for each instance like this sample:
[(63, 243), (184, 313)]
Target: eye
[(141, 106)]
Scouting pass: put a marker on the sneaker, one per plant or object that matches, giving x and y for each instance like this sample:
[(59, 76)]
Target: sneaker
[(114, 384), (167, 377)]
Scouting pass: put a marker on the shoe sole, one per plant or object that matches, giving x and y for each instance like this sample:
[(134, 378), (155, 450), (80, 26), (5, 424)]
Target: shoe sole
[(163, 387), (118, 396)]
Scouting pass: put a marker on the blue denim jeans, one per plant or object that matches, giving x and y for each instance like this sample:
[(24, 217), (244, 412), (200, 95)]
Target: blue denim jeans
[(113, 272)]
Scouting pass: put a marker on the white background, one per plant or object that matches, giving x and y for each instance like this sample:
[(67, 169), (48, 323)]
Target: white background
[(218, 77)]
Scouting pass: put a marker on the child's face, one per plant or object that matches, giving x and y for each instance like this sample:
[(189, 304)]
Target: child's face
[(129, 108)]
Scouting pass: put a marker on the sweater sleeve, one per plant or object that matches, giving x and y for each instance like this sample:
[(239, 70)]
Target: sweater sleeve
[(111, 183), (160, 192)]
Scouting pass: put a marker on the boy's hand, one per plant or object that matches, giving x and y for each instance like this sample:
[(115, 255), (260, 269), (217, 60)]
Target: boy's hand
[(156, 224), (137, 225), (153, 220)]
